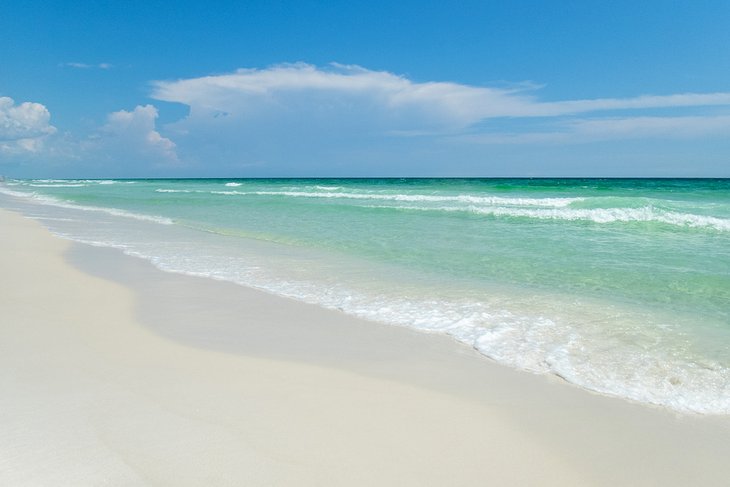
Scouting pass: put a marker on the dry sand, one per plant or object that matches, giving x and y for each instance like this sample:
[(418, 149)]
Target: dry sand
[(115, 373)]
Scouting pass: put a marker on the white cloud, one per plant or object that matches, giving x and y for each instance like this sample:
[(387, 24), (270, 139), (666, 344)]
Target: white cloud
[(299, 119), (23, 127), (88, 66), (24, 121), (398, 103), (128, 142), (640, 102), (134, 134), (303, 119)]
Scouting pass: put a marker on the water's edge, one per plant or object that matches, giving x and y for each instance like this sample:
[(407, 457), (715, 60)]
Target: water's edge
[(506, 324)]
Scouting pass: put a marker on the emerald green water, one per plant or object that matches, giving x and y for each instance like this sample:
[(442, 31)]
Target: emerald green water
[(620, 286)]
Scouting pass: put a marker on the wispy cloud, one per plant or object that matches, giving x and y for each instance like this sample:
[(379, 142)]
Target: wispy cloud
[(87, 66), (640, 127), (591, 130)]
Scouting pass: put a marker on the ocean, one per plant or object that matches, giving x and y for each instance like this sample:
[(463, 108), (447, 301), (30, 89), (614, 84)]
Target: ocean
[(619, 286)]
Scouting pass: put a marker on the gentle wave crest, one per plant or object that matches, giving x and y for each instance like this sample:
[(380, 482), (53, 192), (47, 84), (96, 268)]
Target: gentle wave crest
[(490, 200), (58, 185), (595, 215), (611, 215), (69, 183)]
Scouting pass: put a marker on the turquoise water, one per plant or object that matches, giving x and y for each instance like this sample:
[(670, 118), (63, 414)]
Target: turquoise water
[(618, 286)]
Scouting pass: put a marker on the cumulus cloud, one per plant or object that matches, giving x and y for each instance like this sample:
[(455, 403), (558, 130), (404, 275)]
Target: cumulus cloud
[(23, 127), (25, 121), (127, 141), (133, 133), (127, 144)]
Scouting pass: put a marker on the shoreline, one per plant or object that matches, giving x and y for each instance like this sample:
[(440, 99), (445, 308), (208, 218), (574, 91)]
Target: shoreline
[(561, 320), (192, 380)]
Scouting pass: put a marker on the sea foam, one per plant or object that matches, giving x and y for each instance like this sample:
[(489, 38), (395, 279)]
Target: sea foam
[(595, 215)]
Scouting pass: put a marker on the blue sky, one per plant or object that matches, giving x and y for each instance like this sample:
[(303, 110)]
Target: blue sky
[(511, 88)]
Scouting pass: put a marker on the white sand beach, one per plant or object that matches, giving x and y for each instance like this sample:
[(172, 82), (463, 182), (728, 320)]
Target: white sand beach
[(113, 372)]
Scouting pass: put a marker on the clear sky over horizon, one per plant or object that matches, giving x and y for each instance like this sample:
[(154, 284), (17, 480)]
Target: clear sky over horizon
[(281, 88)]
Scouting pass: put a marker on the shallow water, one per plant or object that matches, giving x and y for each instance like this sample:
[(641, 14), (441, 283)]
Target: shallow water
[(619, 286)]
